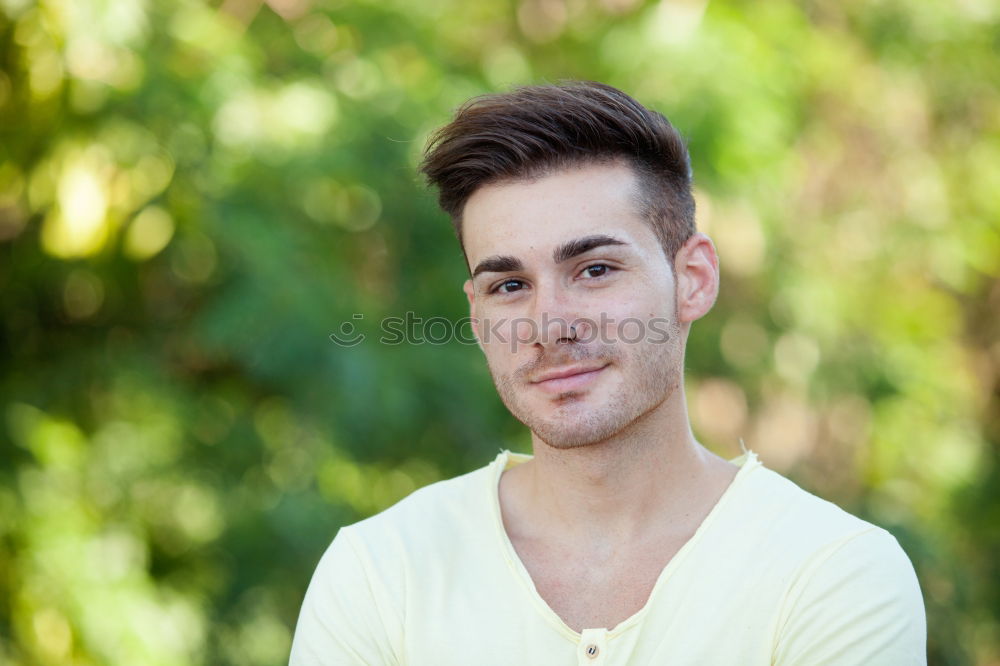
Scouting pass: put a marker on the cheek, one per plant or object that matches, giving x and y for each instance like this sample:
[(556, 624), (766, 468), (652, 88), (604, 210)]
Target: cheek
[(506, 336), (625, 321), (507, 345)]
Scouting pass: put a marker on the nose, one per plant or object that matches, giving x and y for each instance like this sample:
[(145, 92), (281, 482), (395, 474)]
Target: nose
[(554, 317)]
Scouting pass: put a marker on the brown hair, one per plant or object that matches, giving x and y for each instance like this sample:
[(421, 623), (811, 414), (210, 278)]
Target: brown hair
[(534, 130)]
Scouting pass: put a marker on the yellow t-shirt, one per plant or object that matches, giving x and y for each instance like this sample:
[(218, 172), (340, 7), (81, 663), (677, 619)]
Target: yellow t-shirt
[(774, 575)]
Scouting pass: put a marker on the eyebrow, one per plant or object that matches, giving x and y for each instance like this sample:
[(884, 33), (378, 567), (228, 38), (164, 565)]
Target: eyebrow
[(566, 251), (498, 264), (578, 246)]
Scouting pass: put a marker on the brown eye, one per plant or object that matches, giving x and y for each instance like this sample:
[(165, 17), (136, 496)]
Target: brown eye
[(507, 286), (597, 270)]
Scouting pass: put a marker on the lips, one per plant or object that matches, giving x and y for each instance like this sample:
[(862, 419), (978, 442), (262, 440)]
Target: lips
[(569, 378)]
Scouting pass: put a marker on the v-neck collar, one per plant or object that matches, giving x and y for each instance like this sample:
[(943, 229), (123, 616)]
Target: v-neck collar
[(747, 462)]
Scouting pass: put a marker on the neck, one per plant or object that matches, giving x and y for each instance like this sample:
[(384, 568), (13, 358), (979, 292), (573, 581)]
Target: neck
[(638, 483)]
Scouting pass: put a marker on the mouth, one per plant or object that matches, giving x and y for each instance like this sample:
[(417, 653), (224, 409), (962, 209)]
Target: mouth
[(568, 379)]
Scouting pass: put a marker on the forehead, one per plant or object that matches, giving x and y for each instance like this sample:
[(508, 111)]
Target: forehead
[(526, 217)]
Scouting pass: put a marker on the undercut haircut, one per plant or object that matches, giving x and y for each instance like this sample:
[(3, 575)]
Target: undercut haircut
[(537, 130)]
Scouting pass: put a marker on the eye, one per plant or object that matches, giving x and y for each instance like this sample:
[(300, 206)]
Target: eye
[(596, 270), (507, 286)]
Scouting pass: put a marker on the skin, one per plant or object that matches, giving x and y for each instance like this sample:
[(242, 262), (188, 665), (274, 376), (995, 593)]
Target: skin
[(618, 482)]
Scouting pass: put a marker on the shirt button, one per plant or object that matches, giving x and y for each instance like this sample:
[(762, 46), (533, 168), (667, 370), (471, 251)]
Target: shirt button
[(592, 651)]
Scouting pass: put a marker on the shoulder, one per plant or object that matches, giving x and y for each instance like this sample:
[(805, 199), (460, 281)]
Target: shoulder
[(856, 601), (430, 521), (848, 588), (798, 541), (356, 599), (432, 507), (786, 515)]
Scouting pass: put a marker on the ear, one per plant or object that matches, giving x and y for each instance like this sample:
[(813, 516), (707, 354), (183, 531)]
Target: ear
[(470, 294), (696, 266)]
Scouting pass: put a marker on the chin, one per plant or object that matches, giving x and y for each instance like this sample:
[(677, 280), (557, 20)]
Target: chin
[(573, 423), (574, 433)]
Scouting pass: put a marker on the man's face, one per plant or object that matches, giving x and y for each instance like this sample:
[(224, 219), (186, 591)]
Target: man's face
[(571, 249)]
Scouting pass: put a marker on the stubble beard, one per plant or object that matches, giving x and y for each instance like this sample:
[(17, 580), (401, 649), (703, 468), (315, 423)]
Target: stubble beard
[(651, 375)]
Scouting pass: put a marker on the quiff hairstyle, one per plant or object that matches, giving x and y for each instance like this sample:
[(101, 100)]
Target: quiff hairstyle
[(535, 130)]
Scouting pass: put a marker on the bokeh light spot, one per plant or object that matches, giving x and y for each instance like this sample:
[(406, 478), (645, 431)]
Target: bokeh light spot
[(148, 234)]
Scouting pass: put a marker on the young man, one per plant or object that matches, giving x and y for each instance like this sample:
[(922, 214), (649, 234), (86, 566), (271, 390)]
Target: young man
[(622, 540)]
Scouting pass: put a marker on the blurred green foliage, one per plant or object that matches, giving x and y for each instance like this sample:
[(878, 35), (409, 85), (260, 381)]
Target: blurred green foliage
[(194, 196)]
